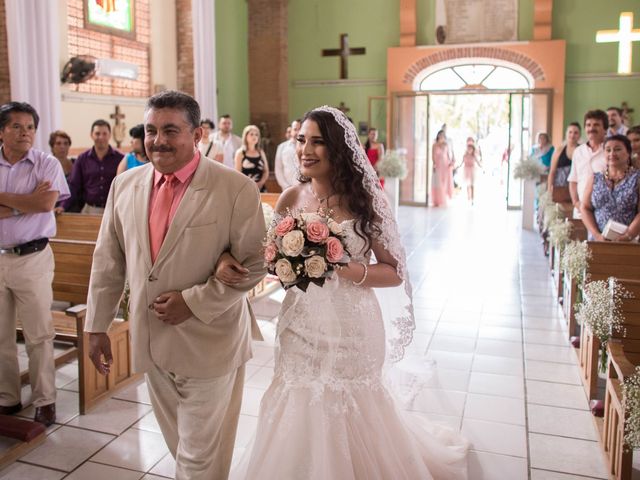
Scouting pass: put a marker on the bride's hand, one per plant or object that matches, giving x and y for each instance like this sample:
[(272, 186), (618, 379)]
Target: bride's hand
[(353, 271), (229, 271)]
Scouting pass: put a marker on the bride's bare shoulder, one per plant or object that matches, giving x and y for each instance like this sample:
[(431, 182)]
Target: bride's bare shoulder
[(289, 198)]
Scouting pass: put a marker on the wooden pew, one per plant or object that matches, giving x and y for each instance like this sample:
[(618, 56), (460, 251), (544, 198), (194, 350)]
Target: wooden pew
[(608, 259), (73, 248), (270, 198), (624, 356)]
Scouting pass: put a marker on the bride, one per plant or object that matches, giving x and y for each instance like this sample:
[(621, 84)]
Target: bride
[(328, 413)]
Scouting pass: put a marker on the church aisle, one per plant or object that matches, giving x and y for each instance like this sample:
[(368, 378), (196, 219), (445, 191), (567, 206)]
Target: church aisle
[(505, 374)]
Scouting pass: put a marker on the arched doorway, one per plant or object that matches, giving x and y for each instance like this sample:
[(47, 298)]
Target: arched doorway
[(499, 96)]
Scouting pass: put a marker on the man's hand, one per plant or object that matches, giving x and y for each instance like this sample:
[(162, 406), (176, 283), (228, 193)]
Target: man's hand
[(171, 308), (58, 210), (42, 187), (229, 271), (99, 349)]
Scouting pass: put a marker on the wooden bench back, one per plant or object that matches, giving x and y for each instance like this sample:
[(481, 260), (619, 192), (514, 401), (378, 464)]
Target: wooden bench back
[(73, 248), (630, 338), (614, 259), (579, 231), (270, 198)]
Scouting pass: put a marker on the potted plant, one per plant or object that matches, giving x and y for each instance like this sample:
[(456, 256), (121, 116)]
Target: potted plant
[(393, 168)]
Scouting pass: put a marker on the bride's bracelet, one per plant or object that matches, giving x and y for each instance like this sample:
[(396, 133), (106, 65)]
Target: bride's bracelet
[(364, 275)]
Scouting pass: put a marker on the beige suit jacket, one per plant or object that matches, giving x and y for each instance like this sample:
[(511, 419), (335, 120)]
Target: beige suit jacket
[(220, 211)]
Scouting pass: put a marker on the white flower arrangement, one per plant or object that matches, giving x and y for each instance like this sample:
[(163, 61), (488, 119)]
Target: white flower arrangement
[(560, 233), (528, 169), (631, 396), (600, 311), (550, 214), (574, 260), (267, 211), (393, 165)]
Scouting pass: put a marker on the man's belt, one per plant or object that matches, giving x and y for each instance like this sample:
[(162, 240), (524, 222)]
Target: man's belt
[(26, 248)]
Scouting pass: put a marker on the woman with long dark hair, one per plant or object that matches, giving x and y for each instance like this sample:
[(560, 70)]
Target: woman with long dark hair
[(329, 412)]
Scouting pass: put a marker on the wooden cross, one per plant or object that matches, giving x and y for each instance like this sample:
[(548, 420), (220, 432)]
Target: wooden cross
[(343, 52), (624, 36), (119, 128)]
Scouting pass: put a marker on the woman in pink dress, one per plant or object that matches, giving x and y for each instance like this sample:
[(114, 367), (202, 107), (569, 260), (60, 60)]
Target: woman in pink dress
[(442, 180), (374, 149)]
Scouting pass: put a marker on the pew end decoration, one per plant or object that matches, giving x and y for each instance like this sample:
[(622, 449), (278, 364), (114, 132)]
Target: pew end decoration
[(600, 311), (560, 233), (528, 169), (631, 396), (393, 165), (575, 259)]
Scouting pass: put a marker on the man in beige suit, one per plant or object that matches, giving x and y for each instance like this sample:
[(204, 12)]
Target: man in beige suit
[(164, 228)]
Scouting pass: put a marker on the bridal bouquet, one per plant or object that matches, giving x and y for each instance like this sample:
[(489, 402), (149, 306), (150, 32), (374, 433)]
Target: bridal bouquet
[(303, 248)]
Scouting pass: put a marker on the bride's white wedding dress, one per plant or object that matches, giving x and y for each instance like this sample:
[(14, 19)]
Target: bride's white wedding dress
[(327, 414)]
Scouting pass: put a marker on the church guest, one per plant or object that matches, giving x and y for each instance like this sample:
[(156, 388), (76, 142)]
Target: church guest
[(60, 143), (442, 181), (286, 164), (93, 173), (190, 334), (543, 150), (561, 161), (137, 156), (616, 126), (374, 149), (613, 194), (588, 158), (250, 159), (633, 134), (207, 146), (229, 142), (469, 162), (34, 180)]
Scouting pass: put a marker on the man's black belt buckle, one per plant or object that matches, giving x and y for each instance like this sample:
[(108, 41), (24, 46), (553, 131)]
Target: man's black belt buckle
[(31, 247)]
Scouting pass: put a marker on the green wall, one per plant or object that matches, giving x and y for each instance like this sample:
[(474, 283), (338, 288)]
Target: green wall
[(577, 21), (232, 67), (374, 24)]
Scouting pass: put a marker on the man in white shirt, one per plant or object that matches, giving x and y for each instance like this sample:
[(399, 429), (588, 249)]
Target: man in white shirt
[(286, 164), (229, 142), (589, 157), (616, 127)]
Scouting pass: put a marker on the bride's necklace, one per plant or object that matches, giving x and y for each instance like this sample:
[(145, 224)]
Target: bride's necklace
[(318, 198)]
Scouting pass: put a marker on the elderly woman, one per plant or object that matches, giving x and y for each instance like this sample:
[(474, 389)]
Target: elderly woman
[(543, 150), (613, 194)]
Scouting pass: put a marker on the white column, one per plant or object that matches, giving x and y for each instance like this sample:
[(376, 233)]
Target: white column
[(32, 40), (204, 56)]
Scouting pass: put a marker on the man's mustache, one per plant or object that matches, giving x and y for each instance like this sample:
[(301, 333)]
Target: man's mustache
[(161, 148)]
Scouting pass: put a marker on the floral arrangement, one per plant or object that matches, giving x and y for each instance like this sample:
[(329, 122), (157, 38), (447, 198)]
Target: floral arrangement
[(631, 396), (529, 169), (600, 311), (574, 260), (267, 211), (393, 165), (560, 233), (550, 214), (124, 302), (303, 248)]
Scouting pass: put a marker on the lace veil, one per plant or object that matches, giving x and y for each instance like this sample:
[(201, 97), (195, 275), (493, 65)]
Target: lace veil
[(396, 303)]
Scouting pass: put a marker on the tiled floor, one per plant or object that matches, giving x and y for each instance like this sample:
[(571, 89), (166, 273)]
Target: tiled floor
[(506, 376)]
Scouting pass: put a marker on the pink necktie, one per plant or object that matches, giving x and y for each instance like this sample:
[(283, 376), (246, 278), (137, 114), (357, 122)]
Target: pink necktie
[(159, 218)]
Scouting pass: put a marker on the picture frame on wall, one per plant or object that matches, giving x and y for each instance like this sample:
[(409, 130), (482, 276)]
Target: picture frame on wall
[(115, 17)]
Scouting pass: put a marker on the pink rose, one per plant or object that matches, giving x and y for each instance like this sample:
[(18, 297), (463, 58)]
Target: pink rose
[(270, 252), (285, 226), (335, 252), (317, 232)]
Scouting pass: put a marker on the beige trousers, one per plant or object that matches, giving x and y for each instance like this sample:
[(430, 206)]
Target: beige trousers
[(25, 294), (198, 418)]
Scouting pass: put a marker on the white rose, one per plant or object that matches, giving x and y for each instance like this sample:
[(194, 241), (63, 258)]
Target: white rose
[(334, 227), (284, 271), (293, 243), (315, 266)]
